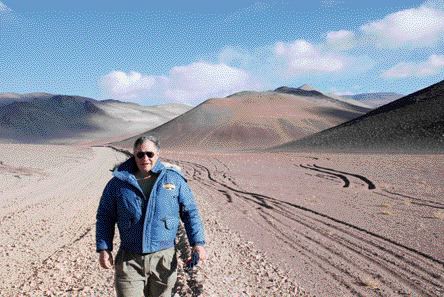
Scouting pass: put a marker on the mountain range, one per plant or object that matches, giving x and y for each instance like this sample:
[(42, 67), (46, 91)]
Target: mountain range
[(47, 118), (284, 119)]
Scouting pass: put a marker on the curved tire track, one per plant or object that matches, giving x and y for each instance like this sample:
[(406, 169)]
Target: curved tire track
[(370, 184), (341, 176)]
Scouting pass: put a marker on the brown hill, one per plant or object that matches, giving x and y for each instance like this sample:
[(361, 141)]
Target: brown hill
[(249, 120), (414, 123)]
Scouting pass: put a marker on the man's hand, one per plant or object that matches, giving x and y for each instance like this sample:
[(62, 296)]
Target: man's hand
[(201, 251), (106, 259)]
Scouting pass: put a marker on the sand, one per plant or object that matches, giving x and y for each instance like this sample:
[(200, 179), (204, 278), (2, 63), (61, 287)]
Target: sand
[(277, 224)]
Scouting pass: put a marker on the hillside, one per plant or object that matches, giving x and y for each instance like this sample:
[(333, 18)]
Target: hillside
[(250, 120), (412, 123)]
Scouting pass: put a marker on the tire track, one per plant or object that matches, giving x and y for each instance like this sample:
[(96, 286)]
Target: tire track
[(417, 201), (389, 255), (341, 176), (357, 248), (389, 264), (371, 186), (332, 271), (262, 199)]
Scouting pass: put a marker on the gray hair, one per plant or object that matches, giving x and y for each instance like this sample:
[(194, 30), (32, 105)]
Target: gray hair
[(143, 139)]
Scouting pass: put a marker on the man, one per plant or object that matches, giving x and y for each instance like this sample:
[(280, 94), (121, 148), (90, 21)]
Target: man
[(146, 199)]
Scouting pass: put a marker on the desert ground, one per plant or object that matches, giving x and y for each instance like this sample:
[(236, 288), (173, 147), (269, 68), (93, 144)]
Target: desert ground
[(277, 224), (341, 224)]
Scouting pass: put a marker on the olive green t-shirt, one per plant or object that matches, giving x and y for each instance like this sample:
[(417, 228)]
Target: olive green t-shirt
[(147, 185)]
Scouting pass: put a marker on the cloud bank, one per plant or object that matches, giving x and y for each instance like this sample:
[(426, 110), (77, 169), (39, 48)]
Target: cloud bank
[(188, 84), (432, 66), (415, 28)]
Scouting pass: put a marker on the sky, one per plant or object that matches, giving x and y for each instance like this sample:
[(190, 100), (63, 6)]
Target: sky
[(153, 52)]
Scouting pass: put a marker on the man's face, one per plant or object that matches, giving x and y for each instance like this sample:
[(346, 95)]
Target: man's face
[(145, 164)]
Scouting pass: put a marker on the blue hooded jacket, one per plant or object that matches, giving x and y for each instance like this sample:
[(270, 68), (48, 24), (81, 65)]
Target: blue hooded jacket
[(146, 227)]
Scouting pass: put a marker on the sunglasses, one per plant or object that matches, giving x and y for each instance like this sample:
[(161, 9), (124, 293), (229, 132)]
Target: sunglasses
[(140, 155)]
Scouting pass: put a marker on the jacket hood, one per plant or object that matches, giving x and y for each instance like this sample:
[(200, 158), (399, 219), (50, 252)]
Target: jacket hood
[(126, 170)]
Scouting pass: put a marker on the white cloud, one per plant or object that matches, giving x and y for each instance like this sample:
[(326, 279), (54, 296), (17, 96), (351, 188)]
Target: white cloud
[(432, 66), (302, 57), (189, 84), (341, 40), (415, 27), (4, 8), (132, 85), (351, 90), (201, 80)]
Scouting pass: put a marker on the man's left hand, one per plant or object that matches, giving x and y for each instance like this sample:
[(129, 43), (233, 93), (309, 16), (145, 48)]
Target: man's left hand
[(201, 251)]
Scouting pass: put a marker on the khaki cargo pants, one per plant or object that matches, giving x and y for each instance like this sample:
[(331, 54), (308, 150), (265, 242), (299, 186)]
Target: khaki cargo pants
[(152, 275)]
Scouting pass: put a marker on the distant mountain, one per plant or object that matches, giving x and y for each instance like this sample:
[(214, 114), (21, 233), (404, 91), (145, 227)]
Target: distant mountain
[(8, 98), (375, 99), (309, 91), (304, 90), (413, 123), (250, 120), (367, 100), (47, 118), (349, 101), (52, 118)]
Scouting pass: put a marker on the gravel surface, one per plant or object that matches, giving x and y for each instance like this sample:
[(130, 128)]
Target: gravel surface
[(276, 224)]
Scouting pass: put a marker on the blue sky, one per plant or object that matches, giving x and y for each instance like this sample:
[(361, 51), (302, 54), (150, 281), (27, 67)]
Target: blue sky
[(188, 51)]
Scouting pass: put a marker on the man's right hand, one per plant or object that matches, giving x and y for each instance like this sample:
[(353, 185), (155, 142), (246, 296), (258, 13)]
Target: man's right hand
[(106, 259)]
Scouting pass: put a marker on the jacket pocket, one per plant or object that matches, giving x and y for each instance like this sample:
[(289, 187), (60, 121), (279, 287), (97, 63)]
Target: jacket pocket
[(171, 222)]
